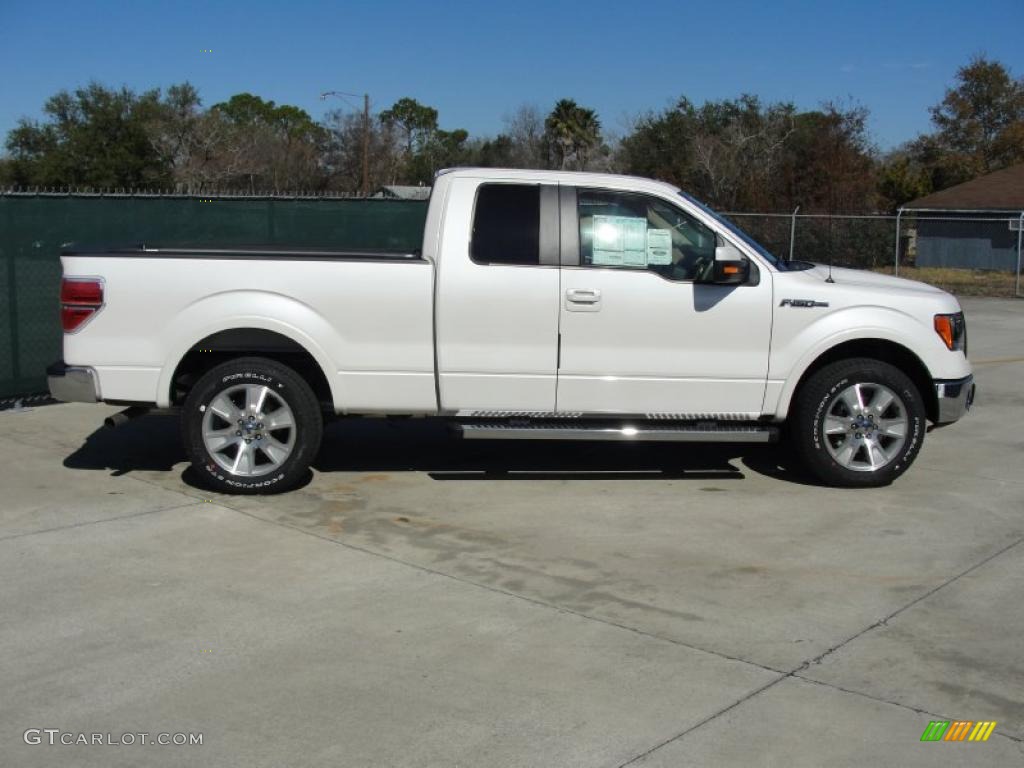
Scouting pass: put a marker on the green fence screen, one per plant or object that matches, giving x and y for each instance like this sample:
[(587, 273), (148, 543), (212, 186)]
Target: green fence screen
[(34, 226)]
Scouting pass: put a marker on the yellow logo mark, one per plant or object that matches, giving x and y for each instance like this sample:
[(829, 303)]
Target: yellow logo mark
[(982, 731)]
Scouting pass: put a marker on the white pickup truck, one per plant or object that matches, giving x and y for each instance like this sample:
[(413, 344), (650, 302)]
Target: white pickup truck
[(542, 305)]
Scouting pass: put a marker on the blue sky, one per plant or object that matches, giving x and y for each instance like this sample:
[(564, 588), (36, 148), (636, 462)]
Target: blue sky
[(477, 61)]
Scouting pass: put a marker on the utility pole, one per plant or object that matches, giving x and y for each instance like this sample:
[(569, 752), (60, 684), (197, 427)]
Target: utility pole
[(366, 132), (366, 145)]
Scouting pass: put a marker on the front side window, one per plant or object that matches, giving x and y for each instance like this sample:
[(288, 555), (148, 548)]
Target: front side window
[(506, 224), (633, 231)]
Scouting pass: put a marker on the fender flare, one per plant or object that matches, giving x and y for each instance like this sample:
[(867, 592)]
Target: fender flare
[(828, 344), (188, 331)]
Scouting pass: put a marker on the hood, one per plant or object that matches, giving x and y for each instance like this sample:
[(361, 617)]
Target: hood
[(867, 279)]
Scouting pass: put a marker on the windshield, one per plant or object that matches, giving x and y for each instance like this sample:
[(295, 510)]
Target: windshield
[(774, 260)]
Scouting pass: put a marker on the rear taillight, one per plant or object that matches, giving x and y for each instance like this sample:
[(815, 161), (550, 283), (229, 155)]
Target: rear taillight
[(80, 299)]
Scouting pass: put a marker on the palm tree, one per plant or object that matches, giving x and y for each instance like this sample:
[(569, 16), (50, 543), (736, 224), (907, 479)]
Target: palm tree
[(572, 131), (588, 136)]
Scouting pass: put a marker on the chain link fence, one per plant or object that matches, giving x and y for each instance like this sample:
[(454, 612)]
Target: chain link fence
[(862, 242), (33, 226), (967, 253)]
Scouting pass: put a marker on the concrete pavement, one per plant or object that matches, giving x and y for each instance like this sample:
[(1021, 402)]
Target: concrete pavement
[(423, 601)]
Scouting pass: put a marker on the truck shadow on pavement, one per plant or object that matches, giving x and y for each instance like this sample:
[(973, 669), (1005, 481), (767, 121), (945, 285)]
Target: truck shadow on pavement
[(153, 443)]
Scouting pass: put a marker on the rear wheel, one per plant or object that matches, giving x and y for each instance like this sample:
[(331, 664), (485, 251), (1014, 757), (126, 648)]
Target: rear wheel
[(251, 425), (859, 423)]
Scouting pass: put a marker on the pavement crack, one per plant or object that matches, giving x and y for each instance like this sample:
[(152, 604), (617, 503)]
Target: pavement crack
[(794, 673), (95, 522), (883, 700), (706, 720), (887, 618)]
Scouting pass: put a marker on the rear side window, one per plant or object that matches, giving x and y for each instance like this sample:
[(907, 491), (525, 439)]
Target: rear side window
[(506, 224)]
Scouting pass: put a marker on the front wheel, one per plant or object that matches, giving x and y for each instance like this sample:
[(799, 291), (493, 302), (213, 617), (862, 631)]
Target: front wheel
[(859, 423), (251, 425)]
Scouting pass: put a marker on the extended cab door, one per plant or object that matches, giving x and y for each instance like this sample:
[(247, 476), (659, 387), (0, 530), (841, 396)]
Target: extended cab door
[(497, 297), (639, 333)]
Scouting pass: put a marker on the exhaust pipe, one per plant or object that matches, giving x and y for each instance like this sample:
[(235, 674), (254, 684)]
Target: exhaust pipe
[(123, 417)]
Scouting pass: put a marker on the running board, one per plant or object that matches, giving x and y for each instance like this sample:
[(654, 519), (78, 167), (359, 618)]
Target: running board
[(684, 434)]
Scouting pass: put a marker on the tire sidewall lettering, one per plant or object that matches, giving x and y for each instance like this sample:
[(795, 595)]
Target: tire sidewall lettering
[(816, 432)]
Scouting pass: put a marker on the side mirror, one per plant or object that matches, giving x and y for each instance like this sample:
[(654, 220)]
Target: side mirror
[(731, 266)]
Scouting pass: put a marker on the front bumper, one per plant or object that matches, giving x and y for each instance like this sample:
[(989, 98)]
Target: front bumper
[(72, 384), (954, 397)]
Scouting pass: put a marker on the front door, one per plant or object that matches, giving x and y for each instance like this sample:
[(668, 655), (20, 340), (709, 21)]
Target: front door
[(640, 334)]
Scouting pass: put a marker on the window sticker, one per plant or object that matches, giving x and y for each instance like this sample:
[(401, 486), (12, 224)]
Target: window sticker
[(620, 241), (659, 246)]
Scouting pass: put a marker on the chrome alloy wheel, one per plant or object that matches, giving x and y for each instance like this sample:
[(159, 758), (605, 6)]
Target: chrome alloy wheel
[(865, 427), (249, 430)]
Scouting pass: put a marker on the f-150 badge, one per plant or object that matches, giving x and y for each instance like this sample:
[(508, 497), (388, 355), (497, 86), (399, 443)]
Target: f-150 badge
[(802, 303)]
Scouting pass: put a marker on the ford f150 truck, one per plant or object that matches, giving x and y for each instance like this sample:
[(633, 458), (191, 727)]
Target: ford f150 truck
[(542, 305)]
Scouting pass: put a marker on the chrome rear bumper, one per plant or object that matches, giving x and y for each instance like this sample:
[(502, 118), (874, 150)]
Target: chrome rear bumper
[(72, 384), (954, 398)]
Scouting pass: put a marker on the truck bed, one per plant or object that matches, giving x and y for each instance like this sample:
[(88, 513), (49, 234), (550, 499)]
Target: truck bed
[(366, 317)]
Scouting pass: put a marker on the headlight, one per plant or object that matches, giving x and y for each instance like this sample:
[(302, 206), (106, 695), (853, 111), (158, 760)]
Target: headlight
[(952, 329)]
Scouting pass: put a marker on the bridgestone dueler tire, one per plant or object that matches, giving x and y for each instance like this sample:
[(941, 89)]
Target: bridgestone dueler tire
[(284, 383), (814, 398)]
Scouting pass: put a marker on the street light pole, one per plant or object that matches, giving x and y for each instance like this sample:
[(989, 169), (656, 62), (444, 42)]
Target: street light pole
[(366, 131), (366, 145)]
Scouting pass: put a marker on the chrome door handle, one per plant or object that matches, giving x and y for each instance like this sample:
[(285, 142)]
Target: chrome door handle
[(583, 295)]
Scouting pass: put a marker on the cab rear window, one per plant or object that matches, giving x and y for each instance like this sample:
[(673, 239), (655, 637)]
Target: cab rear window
[(506, 224)]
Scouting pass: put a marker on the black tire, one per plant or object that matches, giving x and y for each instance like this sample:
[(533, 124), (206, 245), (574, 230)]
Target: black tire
[(284, 386), (819, 394)]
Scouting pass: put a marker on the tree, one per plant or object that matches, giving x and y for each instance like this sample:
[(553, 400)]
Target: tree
[(902, 178), (979, 128), (344, 155), (980, 121), (95, 136), (828, 164), (525, 131), (728, 152), (280, 145), (744, 155), (441, 149), (660, 146), (571, 133), (428, 148), (212, 154), (417, 122), (738, 145), (498, 152), (190, 142)]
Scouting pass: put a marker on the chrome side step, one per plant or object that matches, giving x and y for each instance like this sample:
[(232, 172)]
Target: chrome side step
[(696, 433)]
